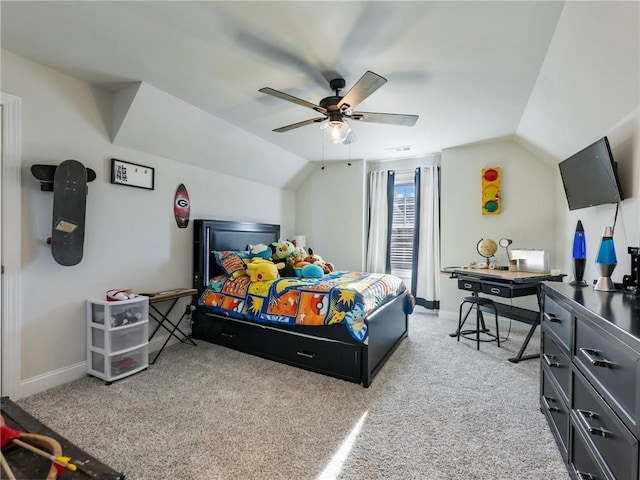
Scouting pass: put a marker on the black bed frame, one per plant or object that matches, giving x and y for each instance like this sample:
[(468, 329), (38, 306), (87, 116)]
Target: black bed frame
[(326, 349)]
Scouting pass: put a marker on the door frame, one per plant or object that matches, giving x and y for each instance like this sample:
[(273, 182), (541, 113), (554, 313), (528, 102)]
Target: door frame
[(11, 194)]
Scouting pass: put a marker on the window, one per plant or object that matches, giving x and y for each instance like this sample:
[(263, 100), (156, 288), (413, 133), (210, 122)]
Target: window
[(402, 227)]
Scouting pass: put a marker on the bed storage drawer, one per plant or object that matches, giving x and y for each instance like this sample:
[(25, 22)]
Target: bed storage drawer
[(235, 334), (330, 357)]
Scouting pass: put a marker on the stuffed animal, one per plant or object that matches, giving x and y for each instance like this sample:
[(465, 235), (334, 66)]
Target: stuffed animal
[(317, 260), (282, 250), (260, 270), (260, 250), (310, 271), (297, 260)]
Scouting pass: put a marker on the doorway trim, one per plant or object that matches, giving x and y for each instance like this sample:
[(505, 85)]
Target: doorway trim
[(11, 244)]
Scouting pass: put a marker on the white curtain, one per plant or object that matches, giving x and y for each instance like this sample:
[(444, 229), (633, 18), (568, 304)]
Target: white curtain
[(426, 270), (378, 235)]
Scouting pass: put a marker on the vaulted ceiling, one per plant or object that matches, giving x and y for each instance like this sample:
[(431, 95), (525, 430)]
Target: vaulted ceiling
[(466, 68)]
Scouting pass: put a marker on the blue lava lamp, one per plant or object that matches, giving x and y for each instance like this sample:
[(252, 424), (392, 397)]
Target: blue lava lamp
[(607, 260), (579, 256)]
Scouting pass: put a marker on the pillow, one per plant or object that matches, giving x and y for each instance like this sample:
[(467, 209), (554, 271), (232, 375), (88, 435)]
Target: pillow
[(231, 262)]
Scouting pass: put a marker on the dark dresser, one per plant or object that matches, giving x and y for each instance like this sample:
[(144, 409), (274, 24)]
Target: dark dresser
[(590, 379)]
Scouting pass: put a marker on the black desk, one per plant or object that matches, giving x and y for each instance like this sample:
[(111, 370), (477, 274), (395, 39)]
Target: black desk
[(506, 284), (162, 318)]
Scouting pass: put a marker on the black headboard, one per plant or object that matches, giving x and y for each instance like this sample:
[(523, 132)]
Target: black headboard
[(212, 235)]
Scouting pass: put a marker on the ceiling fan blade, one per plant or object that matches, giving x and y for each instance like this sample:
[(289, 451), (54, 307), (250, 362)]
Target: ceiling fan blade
[(291, 98), (368, 83), (299, 124), (388, 118)]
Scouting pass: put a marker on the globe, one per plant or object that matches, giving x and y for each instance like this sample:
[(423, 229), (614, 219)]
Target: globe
[(487, 248)]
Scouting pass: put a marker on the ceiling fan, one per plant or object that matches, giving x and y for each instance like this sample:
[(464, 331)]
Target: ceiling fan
[(338, 108)]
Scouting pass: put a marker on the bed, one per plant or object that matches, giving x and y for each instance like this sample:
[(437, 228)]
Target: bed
[(340, 348)]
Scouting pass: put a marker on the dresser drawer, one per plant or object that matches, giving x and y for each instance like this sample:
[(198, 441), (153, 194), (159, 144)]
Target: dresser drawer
[(558, 364), (556, 411), (334, 358), (557, 318), (615, 444), (611, 367), (581, 459), (469, 284)]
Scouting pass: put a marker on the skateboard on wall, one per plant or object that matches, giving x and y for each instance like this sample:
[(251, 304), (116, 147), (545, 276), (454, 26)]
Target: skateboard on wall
[(68, 182), (45, 174)]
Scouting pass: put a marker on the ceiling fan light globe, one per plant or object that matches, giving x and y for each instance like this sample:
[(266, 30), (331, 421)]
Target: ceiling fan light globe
[(336, 131)]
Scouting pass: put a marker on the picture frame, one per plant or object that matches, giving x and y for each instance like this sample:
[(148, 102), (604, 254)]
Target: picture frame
[(132, 174)]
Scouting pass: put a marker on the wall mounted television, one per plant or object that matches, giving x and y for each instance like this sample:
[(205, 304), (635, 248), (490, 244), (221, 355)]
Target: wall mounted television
[(590, 177)]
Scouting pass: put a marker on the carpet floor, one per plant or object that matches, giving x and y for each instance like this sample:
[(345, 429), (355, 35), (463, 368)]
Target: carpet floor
[(439, 409)]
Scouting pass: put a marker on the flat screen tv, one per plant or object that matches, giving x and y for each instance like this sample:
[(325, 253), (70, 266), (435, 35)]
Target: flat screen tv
[(590, 177)]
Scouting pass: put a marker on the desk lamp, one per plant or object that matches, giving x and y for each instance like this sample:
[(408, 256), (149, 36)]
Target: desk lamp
[(579, 256), (607, 260)]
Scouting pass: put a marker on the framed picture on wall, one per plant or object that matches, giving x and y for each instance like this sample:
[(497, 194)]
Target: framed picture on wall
[(132, 174)]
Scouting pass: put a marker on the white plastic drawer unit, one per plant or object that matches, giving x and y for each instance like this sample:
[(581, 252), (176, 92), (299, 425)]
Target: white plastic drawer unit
[(118, 314), (115, 367), (120, 338), (117, 337)]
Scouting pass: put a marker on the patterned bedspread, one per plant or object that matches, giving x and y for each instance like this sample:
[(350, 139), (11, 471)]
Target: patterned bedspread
[(338, 297)]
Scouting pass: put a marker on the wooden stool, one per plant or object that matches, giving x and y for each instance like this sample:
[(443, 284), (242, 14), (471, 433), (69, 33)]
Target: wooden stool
[(478, 303)]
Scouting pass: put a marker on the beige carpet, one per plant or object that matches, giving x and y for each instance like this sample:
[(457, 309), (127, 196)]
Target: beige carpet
[(439, 409)]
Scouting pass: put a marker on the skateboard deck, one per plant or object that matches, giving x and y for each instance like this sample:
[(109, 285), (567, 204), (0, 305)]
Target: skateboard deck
[(45, 174), (182, 206), (69, 208)]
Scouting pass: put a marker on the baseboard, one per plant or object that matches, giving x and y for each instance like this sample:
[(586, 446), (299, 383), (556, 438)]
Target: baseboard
[(58, 377), (51, 379)]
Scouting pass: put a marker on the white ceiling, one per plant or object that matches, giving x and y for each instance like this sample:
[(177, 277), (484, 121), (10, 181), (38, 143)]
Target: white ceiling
[(466, 68)]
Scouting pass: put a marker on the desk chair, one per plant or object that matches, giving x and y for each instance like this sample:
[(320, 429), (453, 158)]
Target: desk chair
[(478, 303)]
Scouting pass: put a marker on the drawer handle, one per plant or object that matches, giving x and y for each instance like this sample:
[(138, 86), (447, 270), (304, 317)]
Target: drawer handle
[(586, 415), (468, 286), (591, 355), (549, 359), (306, 354), (583, 476), (228, 335), (550, 317), (548, 406), (494, 290)]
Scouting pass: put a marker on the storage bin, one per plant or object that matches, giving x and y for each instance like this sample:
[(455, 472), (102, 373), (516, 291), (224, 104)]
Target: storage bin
[(117, 337)]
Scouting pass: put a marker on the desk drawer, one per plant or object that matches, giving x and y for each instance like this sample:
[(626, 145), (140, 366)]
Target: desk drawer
[(469, 284), (497, 289), (608, 436), (611, 367)]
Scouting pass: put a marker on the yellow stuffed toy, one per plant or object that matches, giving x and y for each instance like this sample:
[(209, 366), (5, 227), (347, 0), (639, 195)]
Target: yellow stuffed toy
[(260, 270)]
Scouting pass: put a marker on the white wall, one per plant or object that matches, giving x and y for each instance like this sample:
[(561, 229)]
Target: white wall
[(131, 238), (589, 87), (528, 216), (330, 212)]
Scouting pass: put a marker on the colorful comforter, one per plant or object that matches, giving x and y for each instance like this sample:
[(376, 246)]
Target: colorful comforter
[(338, 297)]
